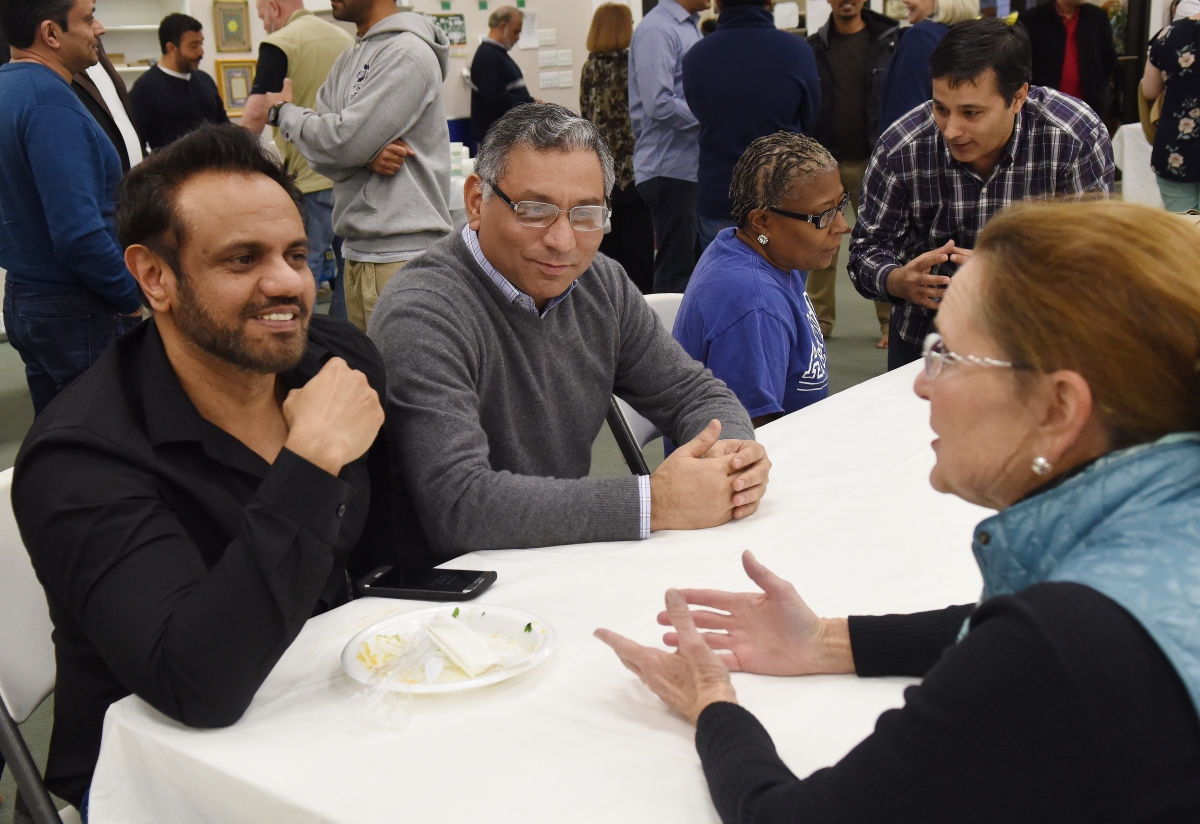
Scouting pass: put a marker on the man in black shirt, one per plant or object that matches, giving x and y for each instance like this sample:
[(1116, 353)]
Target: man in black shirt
[(853, 49), (496, 80), (220, 474), (173, 97)]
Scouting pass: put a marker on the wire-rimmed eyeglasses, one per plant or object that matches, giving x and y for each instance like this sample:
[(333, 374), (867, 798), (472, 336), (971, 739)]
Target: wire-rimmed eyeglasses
[(541, 215), (936, 355), (821, 221)]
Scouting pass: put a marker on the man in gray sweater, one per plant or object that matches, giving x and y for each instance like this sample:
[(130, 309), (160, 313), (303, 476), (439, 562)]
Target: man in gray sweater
[(379, 133), (503, 344)]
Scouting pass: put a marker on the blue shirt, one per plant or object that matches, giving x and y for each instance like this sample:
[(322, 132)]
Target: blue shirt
[(745, 80), (906, 83), (59, 174), (664, 128), (754, 326)]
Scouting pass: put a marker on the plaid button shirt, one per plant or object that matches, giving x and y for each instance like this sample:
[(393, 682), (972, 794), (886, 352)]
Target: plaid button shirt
[(916, 196)]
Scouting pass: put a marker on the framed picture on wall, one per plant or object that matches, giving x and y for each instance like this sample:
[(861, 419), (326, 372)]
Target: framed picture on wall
[(234, 79), (232, 21)]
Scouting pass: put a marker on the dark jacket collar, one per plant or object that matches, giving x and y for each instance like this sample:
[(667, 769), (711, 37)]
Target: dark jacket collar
[(877, 24), (744, 17)]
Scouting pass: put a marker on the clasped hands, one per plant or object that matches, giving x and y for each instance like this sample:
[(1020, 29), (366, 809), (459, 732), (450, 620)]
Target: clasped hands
[(389, 159), (915, 282), (707, 482), (772, 632)]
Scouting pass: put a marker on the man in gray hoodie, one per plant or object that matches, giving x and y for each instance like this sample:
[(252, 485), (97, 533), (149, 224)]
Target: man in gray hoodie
[(379, 133)]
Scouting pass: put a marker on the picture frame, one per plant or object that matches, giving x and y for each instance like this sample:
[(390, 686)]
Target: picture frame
[(231, 19), (234, 80)]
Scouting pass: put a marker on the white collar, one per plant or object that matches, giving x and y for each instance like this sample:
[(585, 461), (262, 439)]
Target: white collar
[(173, 73)]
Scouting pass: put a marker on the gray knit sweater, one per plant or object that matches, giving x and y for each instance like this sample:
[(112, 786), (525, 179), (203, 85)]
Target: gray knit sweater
[(492, 410)]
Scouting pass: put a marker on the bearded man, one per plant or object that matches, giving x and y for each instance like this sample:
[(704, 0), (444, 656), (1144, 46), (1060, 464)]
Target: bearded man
[(211, 482)]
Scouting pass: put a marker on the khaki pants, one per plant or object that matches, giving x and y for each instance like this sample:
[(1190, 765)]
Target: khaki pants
[(364, 282), (822, 283)]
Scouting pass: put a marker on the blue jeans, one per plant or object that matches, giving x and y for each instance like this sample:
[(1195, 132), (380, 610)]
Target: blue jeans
[(1179, 197), (324, 247), (709, 227), (59, 333)]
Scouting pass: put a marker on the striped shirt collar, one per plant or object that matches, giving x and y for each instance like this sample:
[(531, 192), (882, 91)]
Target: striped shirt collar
[(515, 296)]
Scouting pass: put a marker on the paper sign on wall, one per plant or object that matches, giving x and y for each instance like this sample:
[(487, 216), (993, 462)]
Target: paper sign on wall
[(565, 80), (455, 28), (529, 31), (564, 57), (548, 80), (547, 38), (547, 59)]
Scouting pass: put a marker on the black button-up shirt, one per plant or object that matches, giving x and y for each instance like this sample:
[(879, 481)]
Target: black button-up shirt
[(177, 563)]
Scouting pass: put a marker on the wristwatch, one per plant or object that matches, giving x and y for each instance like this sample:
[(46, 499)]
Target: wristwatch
[(273, 114)]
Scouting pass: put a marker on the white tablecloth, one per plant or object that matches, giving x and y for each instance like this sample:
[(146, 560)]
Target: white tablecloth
[(1131, 153), (849, 518)]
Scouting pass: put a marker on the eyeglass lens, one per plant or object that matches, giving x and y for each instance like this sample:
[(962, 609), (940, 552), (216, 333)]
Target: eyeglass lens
[(827, 218), (541, 215)]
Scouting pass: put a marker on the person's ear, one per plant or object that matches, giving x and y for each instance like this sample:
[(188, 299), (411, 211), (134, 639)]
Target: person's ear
[(1019, 98), (1066, 412), (50, 34), (473, 200), (758, 222), (152, 275)]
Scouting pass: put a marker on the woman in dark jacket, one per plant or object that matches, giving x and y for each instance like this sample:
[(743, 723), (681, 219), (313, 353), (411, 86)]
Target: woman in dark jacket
[(1070, 691), (604, 100), (906, 83)]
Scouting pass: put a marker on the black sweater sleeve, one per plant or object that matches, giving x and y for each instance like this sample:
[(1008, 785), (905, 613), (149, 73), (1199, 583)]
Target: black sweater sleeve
[(904, 644), (1056, 707)]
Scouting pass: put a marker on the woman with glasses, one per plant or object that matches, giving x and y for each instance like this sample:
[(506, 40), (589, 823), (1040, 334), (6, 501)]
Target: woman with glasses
[(745, 314), (1064, 390)]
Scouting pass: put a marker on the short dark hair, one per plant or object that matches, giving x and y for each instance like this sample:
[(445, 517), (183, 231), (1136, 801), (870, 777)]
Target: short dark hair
[(173, 27), (146, 210), (972, 47), (20, 19)]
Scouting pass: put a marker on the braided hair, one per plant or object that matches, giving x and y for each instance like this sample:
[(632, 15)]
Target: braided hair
[(769, 169)]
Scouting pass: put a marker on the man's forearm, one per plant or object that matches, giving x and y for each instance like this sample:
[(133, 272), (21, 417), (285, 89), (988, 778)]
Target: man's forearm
[(254, 115)]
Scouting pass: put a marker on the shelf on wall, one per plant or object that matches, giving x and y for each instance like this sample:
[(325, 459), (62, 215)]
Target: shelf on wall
[(130, 69)]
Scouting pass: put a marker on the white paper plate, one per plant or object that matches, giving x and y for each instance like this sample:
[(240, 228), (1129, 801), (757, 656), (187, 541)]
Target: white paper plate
[(504, 628)]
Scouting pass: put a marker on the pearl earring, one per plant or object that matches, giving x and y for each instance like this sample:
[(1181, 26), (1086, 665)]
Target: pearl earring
[(1041, 466), (762, 239)]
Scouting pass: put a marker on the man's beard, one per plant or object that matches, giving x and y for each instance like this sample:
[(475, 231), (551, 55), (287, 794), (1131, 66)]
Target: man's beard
[(229, 343)]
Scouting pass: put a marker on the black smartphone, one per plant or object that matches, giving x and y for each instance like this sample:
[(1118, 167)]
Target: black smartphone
[(425, 584)]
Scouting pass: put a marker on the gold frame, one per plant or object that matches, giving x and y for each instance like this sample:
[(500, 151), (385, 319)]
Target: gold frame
[(236, 12), (223, 82)]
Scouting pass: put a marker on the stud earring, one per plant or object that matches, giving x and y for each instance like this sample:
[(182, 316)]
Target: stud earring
[(1041, 466), (762, 239)]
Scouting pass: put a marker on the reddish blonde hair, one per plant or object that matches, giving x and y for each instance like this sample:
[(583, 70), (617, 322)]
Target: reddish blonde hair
[(612, 28), (1109, 290)]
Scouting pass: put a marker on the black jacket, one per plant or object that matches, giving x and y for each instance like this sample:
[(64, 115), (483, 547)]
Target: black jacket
[(1094, 41), (177, 563), (91, 98), (496, 86), (885, 34), (1058, 706)]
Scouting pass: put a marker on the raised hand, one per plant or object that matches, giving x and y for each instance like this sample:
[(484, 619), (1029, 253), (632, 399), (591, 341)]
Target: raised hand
[(334, 418), (915, 283), (772, 632), (687, 680)]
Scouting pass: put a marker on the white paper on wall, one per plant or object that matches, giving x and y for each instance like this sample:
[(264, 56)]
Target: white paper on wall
[(547, 59), (565, 80), (548, 80), (787, 15), (547, 38), (529, 31), (564, 57)]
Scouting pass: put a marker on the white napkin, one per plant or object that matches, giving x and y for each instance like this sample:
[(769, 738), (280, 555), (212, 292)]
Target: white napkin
[(462, 645)]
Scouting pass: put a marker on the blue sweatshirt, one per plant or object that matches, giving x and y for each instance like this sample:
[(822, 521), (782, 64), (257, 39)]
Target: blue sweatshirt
[(744, 81), (59, 174), (906, 83)]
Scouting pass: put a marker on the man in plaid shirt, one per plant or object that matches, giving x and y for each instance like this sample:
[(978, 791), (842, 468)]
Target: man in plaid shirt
[(939, 173)]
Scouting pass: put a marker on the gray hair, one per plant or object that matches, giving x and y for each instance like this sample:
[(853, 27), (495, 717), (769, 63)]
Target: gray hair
[(769, 169), (542, 127), (502, 15)]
